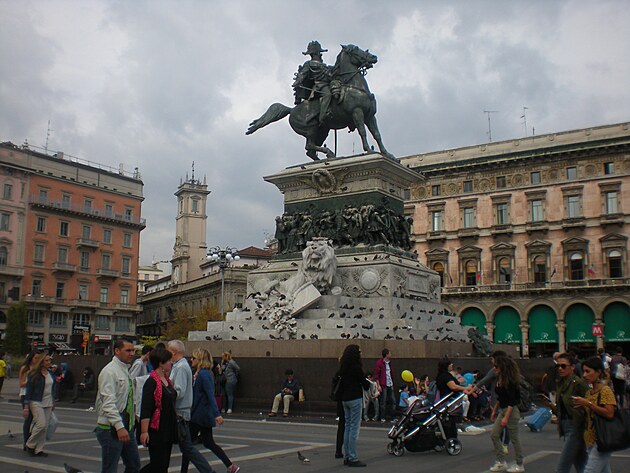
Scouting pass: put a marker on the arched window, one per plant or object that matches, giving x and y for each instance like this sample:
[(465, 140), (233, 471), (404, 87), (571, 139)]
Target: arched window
[(505, 271), (615, 268), (439, 268), (576, 262), (471, 272), (540, 269), (3, 255)]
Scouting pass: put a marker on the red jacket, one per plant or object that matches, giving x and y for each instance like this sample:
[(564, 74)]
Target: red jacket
[(380, 372)]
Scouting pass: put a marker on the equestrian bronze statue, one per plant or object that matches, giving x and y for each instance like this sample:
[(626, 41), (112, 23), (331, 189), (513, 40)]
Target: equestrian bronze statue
[(329, 98)]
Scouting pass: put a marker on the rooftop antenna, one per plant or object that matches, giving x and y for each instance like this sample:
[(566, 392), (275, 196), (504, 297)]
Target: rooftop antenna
[(193, 172), (524, 117), (48, 130), (488, 112)]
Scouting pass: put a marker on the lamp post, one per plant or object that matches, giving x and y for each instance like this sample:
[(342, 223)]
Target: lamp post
[(224, 257), (33, 297)]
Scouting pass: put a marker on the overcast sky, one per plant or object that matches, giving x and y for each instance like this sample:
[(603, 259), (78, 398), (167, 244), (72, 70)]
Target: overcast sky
[(160, 84)]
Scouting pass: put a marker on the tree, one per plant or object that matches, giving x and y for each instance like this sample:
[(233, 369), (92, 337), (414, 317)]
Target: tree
[(185, 321), (16, 340)]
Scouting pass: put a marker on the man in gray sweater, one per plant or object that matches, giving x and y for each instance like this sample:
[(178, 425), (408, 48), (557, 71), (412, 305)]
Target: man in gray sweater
[(182, 379)]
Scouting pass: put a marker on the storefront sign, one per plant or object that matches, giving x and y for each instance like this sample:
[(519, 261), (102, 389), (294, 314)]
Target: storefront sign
[(36, 337), (58, 337), (102, 338), (598, 330), (80, 328)]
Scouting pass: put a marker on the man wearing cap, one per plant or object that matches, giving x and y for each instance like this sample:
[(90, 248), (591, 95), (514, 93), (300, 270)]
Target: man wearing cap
[(312, 80)]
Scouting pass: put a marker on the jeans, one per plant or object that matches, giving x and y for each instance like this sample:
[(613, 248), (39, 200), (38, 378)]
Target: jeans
[(571, 454), (386, 402), (112, 450), (352, 412), (229, 393), (374, 403), (189, 452), (597, 462), (512, 427)]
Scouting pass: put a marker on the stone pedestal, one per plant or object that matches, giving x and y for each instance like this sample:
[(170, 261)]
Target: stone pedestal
[(379, 289)]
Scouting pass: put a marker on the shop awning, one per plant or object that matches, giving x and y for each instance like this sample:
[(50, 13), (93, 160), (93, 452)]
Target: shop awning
[(579, 320), (617, 320), (473, 317), (60, 346), (542, 325), (507, 326)]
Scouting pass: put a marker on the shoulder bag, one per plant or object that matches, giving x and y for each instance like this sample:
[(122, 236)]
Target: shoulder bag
[(613, 434)]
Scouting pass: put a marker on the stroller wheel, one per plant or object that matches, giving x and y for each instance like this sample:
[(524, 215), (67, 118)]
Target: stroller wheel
[(399, 450), (453, 447), (390, 448)]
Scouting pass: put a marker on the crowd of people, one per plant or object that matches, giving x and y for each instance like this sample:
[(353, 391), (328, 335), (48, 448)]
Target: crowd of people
[(165, 398)]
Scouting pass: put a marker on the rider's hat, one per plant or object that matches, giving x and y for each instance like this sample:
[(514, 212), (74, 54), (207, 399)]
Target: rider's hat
[(314, 48)]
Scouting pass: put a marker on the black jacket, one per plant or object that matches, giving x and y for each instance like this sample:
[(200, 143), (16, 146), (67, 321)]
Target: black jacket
[(353, 382)]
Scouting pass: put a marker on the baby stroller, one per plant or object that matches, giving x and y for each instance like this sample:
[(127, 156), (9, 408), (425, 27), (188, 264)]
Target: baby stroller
[(421, 427)]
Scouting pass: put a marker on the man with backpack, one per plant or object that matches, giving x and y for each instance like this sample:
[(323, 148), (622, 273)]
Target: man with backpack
[(618, 375)]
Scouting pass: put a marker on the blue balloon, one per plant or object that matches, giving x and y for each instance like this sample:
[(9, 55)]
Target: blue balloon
[(470, 378)]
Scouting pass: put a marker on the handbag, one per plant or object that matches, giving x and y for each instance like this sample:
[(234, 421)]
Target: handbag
[(52, 426), (301, 397), (335, 391), (613, 434)]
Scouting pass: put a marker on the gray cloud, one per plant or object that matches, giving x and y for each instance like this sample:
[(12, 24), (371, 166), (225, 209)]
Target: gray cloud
[(160, 84)]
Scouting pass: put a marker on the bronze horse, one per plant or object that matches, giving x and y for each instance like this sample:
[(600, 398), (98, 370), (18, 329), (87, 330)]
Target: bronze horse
[(352, 107)]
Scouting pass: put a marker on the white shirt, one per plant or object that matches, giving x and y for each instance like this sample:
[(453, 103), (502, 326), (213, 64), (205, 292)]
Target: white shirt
[(388, 375)]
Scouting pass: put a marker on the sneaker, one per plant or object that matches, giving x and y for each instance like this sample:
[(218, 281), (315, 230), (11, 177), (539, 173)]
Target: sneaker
[(356, 463), (499, 466), (233, 468), (505, 449), (229, 411), (516, 469)]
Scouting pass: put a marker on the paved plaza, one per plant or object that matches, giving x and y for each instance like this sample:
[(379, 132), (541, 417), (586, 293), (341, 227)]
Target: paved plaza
[(261, 445)]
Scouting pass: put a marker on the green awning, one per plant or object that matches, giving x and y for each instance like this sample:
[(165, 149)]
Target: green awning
[(542, 325), (579, 320), (473, 317), (507, 326), (617, 320)]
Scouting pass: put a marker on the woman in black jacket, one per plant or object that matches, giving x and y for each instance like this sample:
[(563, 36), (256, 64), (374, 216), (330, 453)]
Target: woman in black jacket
[(158, 420), (353, 382)]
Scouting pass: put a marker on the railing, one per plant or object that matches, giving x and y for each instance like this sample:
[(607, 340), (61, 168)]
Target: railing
[(92, 211), (108, 273), (88, 242), (559, 285), (11, 271), (130, 307), (57, 266), (39, 299), (83, 303)]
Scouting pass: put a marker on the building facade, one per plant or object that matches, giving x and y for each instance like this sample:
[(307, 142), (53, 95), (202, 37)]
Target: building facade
[(196, 284), (77, 230), (530, 236)]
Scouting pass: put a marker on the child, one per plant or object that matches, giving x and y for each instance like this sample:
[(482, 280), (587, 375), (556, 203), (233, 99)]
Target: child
[(371, 397), (403, 401)]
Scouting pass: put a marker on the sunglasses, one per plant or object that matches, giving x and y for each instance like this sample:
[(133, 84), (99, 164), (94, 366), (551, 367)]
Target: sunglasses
[(563, 366)]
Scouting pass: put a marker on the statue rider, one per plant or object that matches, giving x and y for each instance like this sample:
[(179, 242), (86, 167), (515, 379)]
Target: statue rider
[(312, 80)]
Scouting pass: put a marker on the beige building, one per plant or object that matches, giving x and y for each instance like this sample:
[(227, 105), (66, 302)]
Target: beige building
[(530, 236), (195, 284)]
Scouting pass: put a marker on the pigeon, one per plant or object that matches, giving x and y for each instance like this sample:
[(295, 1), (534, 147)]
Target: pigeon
[(382, 316), (294, 263), (411, 308), (303, 336), (388, 337), (411, 336), (272, 337), (353, 326), (425, 337), (339, 326), (342, 315), (404, 315), (356, 259), (332, 314), (240, 327), (208, 337), (11, 436), (319, 326), (234, 338), (368, 327), (231, 327), (265, 327), (252, 338), (71, 469)]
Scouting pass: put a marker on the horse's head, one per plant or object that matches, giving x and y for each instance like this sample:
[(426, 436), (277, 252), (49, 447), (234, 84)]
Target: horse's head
[(358, 57)]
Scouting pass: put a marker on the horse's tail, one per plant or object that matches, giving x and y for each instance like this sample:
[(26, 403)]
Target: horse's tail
[(275, 112)]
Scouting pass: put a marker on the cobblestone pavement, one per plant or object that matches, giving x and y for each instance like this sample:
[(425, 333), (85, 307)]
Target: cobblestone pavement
[(262, 445)]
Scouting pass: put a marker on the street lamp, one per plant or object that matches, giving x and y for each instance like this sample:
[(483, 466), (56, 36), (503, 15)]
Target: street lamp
[(224, 257)]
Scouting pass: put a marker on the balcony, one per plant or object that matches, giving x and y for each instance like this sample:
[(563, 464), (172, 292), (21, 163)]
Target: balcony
[(571, 223), (64, 267), (472, 232), (498, 230), (6, 270), (438, 235), (536, 227), (84, 303), (96, 213), (106, 273), (86, 242), (128, 307), (38, 299), (612, 219), (586, 284)]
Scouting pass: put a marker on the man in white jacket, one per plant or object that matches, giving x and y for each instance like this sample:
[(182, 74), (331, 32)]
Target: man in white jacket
[(115, 411)]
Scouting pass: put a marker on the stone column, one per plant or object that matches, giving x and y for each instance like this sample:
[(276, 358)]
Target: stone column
[(525, 337), (562, 345), (490, 330), (600, 340)]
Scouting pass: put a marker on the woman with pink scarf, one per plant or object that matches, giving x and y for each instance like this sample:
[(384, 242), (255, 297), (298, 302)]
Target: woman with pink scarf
[(158, 420)]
